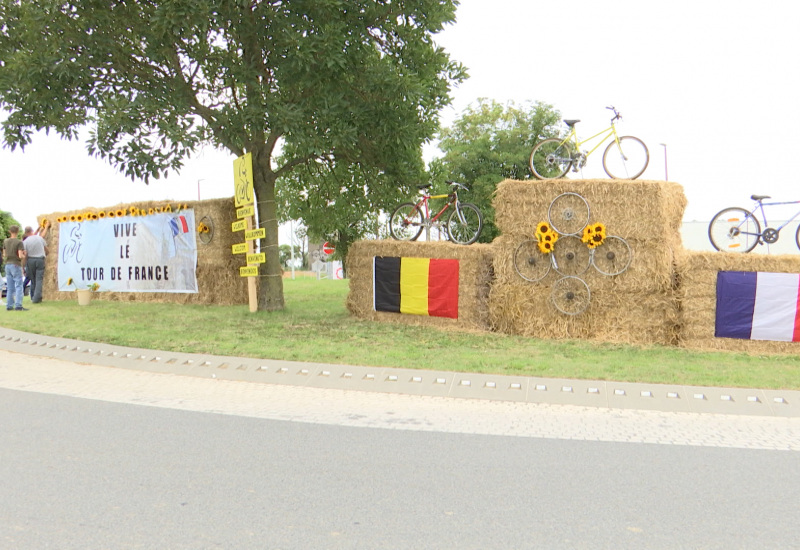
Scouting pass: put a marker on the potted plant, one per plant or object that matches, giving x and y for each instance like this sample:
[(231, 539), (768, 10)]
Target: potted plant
[(84, 294)]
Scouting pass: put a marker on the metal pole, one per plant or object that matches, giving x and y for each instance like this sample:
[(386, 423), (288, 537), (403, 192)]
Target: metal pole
[(666, 173), (198, 187)]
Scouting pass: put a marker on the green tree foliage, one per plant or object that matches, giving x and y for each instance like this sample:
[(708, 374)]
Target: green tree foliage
[(348, 81), (339, 202), (488, 143), (7, 220)]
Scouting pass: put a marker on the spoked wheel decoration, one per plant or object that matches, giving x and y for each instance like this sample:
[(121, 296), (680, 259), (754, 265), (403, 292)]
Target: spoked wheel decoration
[(571, 256), (613, 256), (568, 244), (531, 263), (568, 214), (570, 295), (205, 230)]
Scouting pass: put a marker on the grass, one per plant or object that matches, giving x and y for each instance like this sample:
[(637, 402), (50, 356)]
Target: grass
[(316, 327)]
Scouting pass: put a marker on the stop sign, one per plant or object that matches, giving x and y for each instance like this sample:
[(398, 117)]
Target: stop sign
[(328, 249)]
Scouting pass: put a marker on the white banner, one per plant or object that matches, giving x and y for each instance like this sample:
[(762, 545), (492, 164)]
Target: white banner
[(155, 253)]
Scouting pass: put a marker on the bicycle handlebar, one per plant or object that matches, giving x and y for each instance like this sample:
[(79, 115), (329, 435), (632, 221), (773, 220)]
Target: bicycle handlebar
[(617, 116), (456, 184)]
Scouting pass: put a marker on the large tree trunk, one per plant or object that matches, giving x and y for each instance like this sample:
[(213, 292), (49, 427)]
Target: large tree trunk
[(270, 279)]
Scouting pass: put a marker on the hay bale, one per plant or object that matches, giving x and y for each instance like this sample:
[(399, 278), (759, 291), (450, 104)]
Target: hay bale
[(474, 280), (698, 299), (638, 306), (218, 279)]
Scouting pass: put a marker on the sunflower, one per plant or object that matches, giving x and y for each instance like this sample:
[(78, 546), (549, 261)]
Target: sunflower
[(546, 246), (111, 214), (73, 217), (101, 214), (168, 208), (543, 228), (203, 228), (151, 211)]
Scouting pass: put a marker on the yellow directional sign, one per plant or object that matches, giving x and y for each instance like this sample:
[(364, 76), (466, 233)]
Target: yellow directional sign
[(245, 211), (241, 225), (256, 258), (254, 234), (243, 180), (249, 271), (239, 248)]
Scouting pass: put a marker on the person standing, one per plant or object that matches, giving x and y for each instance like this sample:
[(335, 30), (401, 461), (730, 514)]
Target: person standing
[(14, 256), (35, 252)]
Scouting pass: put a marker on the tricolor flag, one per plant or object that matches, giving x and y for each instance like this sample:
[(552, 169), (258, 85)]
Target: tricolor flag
[(178, 225), (758, 306), (419, 286)]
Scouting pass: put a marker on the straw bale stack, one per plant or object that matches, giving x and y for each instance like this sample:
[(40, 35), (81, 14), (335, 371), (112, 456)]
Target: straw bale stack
[(638, 306), (474, 280), (699, 299), (218, 277)]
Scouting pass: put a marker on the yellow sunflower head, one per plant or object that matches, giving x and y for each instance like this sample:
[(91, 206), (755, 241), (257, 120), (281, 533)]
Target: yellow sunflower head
[(543, 228), (101, 214), (168, 208)]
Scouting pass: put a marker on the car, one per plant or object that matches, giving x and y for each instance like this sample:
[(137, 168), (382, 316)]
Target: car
[(4, 287)]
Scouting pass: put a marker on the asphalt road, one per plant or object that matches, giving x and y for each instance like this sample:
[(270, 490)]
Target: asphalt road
[(78, 473)]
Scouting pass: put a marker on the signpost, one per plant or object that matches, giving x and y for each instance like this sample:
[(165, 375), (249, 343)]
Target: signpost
[(245, 208), (327, 248)]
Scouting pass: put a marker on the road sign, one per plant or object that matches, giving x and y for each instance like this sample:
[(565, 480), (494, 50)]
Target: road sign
[(243, 180), (257, 258), (248, 271), (239, 248), (245, 211), (241, 225), (254, 234), (328, 249)]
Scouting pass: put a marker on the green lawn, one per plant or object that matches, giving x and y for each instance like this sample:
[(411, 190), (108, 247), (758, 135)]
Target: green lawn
[(316, 327)]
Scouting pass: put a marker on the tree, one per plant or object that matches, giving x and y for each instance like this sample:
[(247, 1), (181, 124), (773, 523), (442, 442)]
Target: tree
[(340, 202), (351, 81), (489, 143)]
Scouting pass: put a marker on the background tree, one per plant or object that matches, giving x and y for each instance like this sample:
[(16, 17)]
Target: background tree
[(340, 202), (356, 81), (488, 143)]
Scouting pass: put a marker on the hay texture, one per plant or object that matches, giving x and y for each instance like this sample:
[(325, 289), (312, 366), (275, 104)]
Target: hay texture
[(218, 279), (699, 299), (639, 306), (474, 280)]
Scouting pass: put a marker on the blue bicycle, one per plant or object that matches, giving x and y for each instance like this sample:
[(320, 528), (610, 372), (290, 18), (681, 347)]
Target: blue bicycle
[(738, 229)]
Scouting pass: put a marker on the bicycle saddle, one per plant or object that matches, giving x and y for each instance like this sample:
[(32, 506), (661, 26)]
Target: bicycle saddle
[(423, 187), (571, 122), (760, 197)]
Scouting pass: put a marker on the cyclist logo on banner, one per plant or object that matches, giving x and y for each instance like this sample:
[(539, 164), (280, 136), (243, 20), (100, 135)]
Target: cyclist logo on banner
[(243, 180), (569, 244)]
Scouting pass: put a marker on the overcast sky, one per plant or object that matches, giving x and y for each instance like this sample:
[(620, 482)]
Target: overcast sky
[(716, 81)]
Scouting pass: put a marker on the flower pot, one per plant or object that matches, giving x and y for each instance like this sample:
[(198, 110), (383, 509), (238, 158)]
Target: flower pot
[(84, 297)]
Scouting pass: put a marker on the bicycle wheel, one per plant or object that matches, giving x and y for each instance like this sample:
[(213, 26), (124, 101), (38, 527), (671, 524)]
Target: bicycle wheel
[(570, 295), (405, 223), (613, 256), (531, 263), (465, 223), (626, 161), (551, 159), (571, 256), (797, 236), (734, 230), (568, 214)]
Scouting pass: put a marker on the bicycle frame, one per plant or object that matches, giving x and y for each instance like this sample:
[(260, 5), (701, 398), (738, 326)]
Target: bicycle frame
[(759, 206), (608, 132), (423, 203)]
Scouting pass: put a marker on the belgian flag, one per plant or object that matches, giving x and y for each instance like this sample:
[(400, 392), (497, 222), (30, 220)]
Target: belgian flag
[(419, 286)]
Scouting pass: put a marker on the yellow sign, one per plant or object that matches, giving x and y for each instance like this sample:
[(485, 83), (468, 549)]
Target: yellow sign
[(254, 234), (243, 180), (241, 225), (257, 258), (249, 271), (246, 211), (240, 248)]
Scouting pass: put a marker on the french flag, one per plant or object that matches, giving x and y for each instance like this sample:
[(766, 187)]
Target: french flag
[(758, 306), (178, 225)]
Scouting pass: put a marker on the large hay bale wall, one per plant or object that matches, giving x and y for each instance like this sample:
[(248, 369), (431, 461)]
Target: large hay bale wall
[(218, 277), (474, 280), (638, 306), (699, 298)]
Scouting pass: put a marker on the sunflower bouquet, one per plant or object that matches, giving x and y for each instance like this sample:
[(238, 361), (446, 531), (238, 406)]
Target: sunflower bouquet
[(546, 236), (594, 234)]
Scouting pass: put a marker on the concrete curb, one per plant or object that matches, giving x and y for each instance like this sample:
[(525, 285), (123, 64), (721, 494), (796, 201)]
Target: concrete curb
[(601, 394)]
